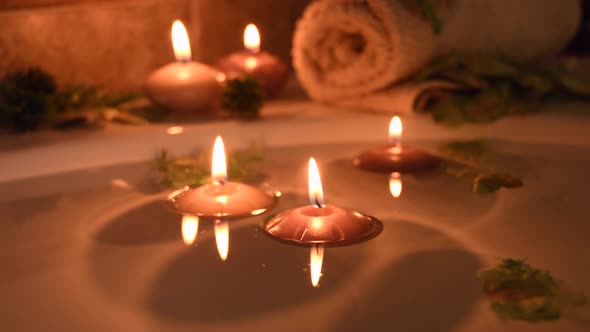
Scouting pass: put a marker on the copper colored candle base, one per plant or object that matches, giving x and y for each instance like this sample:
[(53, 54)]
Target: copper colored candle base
[(390, 159), (328, 225), (230, 200), (270, 72)]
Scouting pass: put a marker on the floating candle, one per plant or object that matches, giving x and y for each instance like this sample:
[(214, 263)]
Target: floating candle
[(396, 157), (319, 225), (222, 198), (184, 86), (270, 72)]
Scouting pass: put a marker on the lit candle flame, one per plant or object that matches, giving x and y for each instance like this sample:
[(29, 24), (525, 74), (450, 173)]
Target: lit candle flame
[(316, 259), (252, 38), (316, 193), (190, 228), (395, 130), (395, 184), (180, 42), (218, 164), (222, 238)]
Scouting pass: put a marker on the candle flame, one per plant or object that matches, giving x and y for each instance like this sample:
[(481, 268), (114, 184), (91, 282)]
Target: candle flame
[(395, 130), (395, 184), (222, 238), (180, 42), (316, 193), (190, 228), (218, 164), (252, 38), (316, 259)]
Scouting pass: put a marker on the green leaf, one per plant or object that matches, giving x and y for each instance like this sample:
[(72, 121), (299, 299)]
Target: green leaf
[(489, 183), (243, 97), (517, 291), (26, 99)]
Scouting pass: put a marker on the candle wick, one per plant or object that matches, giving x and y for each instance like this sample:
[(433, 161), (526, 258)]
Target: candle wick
[(221, 182), (317, 201)]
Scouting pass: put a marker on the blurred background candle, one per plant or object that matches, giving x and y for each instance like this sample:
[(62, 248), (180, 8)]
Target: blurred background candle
[(395, 156), (184, 86), (270, 72)]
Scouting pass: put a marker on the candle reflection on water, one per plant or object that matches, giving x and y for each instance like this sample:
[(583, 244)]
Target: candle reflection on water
[(395, 184), (316, 258), (222, 238), (190, 229)]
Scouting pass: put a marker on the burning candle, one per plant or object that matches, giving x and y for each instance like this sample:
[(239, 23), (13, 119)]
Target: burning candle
[(318, 225), (396, 157), (184, 86), (222, 198), (270, 72)]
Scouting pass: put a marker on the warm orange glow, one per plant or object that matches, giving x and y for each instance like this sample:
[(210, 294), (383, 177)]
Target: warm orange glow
[(180, 43), (175, 130), (316, 259), (257, 212), (395, 130), (190, 228), (222, 238), (178, 192), (395, 184), (252, 38), (316, 193), (251, 63), (220, 78), (218, 164)]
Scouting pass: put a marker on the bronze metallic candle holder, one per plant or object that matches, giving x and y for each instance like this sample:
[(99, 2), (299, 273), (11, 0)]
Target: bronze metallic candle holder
[(396, 157), (229, 200), (319, 224), (222, 199)]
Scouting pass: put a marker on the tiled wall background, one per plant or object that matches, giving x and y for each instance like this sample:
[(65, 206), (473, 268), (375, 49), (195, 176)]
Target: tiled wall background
[(116, 43)]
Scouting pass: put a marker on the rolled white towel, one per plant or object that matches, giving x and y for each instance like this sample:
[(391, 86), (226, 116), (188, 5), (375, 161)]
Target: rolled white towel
[(353, 52)]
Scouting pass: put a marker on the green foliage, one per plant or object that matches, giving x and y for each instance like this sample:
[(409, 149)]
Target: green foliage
[(29, 99), (195, 170), (475, 157), (492, 182), (82, 96), (243, 97), (26, 99), (518, 291), (490, 87)]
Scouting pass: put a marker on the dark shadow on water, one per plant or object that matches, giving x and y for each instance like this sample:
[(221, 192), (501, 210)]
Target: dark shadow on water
[(148, 224), (260, 276), (427, 291)]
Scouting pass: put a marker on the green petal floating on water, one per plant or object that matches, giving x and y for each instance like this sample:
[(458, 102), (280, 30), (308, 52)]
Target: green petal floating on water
[(489, 183), (518, 291)]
